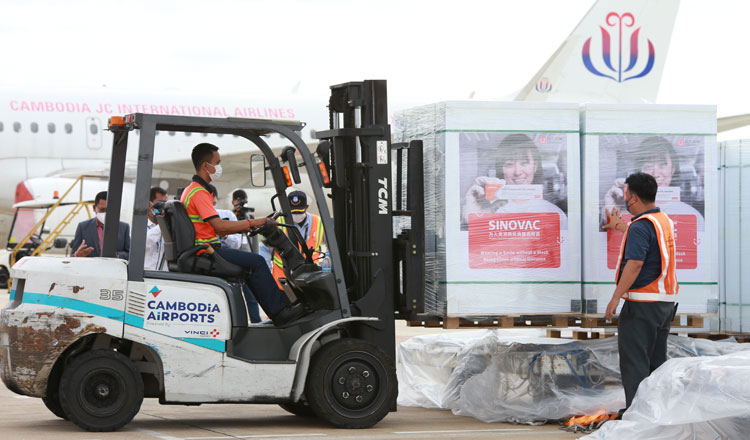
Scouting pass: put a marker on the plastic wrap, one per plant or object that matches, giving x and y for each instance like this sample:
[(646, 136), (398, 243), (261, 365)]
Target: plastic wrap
[(496, 376), (677, 145), (734, 274), (502, 206), (685, 399)]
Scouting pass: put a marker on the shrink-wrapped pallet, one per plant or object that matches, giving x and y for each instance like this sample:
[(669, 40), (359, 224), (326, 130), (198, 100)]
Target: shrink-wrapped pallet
[(502, 206), (734, 272), (677, 145)]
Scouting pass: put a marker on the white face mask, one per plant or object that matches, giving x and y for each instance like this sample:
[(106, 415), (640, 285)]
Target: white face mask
[(216, 175), (101, 216), (299, 218)]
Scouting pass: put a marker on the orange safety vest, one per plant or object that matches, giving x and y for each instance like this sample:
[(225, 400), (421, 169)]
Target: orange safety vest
[(664, 287), (204, 232), (314, 241)]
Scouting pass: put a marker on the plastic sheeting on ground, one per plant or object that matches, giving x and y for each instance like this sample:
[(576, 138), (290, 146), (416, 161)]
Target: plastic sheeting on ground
[(689, 398), (495, 375)]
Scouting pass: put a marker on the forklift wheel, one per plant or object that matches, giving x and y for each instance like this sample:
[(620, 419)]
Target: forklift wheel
[(101, 390), (53, 404), (351, 384), (300, 409), (4, 277)]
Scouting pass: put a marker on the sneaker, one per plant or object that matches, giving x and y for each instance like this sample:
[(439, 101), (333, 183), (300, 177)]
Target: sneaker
[(289, 314)]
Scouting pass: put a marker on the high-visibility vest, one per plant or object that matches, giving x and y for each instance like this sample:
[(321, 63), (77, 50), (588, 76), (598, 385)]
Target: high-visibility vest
[(664, 287), (314, 241), (202, 229)]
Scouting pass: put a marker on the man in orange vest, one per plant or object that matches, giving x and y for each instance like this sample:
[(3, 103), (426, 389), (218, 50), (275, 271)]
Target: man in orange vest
[(646, 279), (199, 204), (309, 225)]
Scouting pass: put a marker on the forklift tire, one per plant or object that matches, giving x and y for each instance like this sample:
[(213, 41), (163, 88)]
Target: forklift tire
[(299, 409), (53, 404), (101, 390), (351, 383), (4, 277)]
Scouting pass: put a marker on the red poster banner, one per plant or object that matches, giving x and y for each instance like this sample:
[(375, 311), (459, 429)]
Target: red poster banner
[(514, 241), (686, 239)]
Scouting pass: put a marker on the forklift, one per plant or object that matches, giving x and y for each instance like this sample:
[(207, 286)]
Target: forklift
[(93, 336)]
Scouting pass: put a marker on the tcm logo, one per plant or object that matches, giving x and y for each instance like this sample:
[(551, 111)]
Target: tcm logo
[(383, 196), (543, 86), (629, 53)]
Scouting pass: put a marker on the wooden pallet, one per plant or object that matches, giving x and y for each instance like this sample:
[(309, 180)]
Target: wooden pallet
[(562, 320), (691, 321), (504, 321)]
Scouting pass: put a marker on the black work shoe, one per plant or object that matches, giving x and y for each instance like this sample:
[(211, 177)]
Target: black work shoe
[(289, 314)]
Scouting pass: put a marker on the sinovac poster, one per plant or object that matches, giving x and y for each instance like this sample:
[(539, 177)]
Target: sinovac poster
[(514, 207), (677, 163)]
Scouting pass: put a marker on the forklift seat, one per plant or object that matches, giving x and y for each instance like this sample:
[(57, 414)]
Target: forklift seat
[(180, 250)]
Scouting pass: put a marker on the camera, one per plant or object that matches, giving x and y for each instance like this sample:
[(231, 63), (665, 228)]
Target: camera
[(243, 212)]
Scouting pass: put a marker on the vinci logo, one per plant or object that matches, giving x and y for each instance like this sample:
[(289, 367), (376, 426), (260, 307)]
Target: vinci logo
[(615, 20)]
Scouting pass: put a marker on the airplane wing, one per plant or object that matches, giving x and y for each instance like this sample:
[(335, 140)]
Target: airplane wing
[(731, 122)]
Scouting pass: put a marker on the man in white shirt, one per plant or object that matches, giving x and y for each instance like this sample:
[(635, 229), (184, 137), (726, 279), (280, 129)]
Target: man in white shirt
[(154, 258)]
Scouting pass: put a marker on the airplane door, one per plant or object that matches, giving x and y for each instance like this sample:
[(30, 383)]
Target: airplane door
[(93, 133)]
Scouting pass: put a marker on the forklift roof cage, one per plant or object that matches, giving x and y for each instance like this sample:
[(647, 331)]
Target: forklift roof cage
[(250, 129)]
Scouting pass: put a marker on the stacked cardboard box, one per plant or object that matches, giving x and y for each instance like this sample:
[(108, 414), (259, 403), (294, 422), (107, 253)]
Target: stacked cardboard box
[(502, 206), (675, 144), (734, 269)]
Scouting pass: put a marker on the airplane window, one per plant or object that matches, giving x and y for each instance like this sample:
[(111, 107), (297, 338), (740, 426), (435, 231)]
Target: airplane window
[(204, 134), (17, 127), (171, 133), (51, 127), (34, 127), (93, 129), (187, 133), (68, 128), (219, 134), (2, 127)]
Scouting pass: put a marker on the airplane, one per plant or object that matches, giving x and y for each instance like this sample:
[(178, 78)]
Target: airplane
[(615, 54)]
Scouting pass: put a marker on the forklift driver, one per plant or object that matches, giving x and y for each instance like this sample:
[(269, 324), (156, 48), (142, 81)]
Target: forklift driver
[(198, 202)]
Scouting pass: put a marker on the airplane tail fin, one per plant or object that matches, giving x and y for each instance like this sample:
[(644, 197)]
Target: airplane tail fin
[(616, 54)]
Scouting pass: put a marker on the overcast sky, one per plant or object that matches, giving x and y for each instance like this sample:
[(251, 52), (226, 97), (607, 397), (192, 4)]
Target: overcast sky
[(427, 50)]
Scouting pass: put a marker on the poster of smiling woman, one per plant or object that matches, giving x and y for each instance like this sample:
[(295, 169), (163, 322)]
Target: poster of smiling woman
[(677, 146)]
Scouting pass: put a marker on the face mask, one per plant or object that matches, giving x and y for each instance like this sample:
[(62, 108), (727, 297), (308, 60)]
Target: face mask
[(216, 175), (299, 218), (101, 216)]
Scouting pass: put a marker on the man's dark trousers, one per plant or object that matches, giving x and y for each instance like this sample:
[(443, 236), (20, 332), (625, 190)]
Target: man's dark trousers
[(261, 282), (643, 329)]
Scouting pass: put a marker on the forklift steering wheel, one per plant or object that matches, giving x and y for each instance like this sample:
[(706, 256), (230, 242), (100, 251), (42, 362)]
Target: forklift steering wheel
[(271, 223)]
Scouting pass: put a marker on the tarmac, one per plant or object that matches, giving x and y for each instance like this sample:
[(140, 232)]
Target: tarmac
[(24, 417)]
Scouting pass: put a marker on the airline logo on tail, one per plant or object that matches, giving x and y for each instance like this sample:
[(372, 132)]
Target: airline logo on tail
[(617, 72)]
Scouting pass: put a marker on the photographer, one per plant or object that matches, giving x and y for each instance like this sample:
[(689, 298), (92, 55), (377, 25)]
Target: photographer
[(239, 200), (242, 212)]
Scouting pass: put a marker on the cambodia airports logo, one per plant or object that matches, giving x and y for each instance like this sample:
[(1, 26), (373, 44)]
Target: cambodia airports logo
[(622, 24), (155, 291)]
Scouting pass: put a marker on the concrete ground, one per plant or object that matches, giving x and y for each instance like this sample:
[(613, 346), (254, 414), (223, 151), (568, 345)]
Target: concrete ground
[(26, 418)]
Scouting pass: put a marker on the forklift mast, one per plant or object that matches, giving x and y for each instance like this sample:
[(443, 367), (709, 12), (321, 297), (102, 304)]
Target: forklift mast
[(382, 272)]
